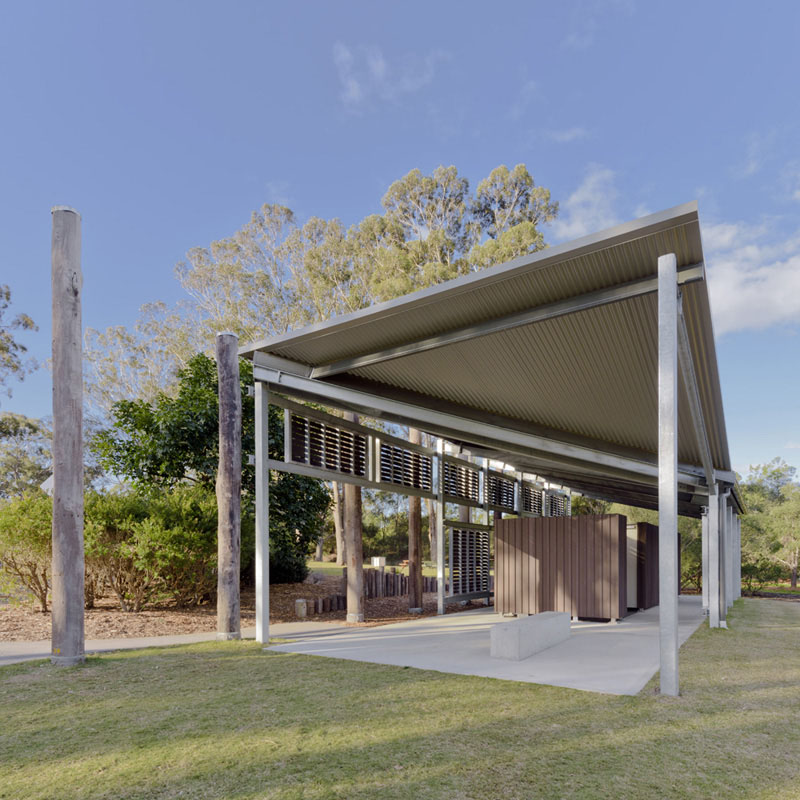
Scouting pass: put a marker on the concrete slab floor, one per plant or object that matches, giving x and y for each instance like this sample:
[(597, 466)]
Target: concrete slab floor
[(598, 656)]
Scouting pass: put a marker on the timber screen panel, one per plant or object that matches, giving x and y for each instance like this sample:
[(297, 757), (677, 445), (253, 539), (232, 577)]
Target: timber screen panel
[(325, 446), (469, 561), (405, 467)]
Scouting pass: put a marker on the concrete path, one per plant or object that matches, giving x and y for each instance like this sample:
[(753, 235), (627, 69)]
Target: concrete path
[(14, 652), (598, 657)]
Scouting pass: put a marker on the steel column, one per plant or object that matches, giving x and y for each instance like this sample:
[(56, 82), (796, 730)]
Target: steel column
[(723, 559), (715, 500), (738, 556), (262, 512), (704, 574), (668, 471), (440, 507), (731, 551)]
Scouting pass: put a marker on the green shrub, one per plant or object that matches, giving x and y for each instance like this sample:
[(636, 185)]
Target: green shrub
[(150, 547), (109, 520), (26, 542), (756, 574)]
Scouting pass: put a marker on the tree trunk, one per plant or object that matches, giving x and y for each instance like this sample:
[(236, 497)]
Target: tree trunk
[(229, 488), (338, 524), (794, 576), (414, 542), (353, 547), (67, 531), (319, 554)]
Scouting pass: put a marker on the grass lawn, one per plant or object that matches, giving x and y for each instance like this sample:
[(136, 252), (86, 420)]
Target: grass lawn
[(227, 720)]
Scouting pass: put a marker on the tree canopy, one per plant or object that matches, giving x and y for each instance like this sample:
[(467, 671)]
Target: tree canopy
[(274, 274), (12, 353), (25, 456), (173, 440)]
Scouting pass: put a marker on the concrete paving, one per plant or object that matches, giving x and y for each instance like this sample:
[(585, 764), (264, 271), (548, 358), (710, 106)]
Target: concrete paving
[(14, 652), (598, 657)]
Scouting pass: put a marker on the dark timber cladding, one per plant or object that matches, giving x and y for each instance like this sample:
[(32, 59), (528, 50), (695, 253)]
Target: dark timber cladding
[(647, 564), (572, 564)]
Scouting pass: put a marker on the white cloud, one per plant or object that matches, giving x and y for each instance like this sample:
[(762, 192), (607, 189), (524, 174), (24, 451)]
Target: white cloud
[(790, 178), (529, 90), (758, 149), (642, 210), (567, 135), (590, 207), (754, 276), (277, 192), (792, 446), (586, 18), (365, 75)]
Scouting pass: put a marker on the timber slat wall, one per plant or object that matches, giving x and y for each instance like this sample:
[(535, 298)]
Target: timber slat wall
[(647, 564), (388, 584), (572, 564)]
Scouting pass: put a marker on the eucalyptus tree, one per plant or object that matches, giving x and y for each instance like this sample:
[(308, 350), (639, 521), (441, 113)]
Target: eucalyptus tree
[(13, 362), (274, 275)]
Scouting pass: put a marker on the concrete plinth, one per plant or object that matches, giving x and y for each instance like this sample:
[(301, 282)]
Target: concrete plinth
[(522, 637)]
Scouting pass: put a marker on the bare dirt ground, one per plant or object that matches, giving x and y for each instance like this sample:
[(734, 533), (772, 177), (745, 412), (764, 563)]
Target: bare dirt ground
[(21, 621)]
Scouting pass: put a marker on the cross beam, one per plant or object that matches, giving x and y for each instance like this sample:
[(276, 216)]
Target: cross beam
[(451, 426)]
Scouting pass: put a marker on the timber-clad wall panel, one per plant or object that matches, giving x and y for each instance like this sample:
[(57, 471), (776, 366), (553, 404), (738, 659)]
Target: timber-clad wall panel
[(647, 564), (572, 564)]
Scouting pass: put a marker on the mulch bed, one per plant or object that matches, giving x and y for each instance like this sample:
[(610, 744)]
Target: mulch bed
[(22, 622)]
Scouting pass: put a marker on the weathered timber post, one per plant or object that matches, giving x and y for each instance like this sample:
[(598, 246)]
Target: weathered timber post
[(229, 488), (414, 542), (67, 566), (353, 547)]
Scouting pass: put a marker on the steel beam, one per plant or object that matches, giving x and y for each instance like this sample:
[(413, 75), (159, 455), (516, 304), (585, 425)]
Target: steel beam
[(668, 472), (452, 426), (262, 512), (693, 395), (571, 305)]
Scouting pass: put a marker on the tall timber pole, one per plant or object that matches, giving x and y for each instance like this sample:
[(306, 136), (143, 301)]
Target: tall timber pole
[(67, 564), (229, 488)]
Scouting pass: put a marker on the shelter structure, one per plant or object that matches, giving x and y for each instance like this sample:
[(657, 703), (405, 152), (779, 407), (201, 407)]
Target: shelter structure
[(591, 364)]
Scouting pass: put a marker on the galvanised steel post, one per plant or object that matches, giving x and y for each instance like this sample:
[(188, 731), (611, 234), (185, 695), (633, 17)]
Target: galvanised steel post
[(668, 471)]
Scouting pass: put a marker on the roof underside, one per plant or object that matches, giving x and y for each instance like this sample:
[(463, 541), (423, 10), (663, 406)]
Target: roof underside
[(586, 377)]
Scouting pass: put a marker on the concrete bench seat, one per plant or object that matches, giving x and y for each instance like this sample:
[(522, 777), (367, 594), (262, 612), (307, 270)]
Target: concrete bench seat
[(520, 638)]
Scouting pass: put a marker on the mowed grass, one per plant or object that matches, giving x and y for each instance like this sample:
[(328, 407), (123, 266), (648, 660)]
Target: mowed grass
[(228, 720)]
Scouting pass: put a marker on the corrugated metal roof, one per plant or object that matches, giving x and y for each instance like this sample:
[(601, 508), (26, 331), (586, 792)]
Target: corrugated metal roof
[(589, 374)]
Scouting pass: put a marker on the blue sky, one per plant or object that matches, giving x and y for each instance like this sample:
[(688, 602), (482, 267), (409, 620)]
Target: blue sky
[(165, 124)]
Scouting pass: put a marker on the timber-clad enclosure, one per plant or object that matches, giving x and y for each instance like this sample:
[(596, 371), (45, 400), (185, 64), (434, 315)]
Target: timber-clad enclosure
[(590, 365), (645, 537), (572, 564)]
